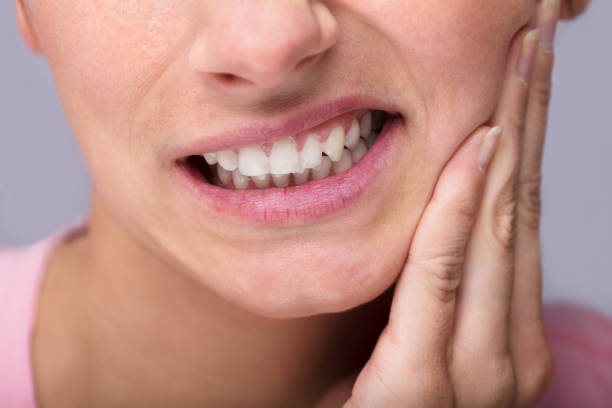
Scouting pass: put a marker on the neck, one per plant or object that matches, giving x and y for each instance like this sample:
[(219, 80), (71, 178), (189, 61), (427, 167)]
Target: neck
[(131, 319)]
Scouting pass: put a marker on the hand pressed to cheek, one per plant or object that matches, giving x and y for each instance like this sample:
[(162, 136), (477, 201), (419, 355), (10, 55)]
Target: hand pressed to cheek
[(492, 332), (126, 74)]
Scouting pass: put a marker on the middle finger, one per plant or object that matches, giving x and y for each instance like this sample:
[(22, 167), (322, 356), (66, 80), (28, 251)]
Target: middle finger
[(484, 298)]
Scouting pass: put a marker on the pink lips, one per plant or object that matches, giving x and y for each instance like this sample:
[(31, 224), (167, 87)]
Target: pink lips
[(271, 131), (295, 204)]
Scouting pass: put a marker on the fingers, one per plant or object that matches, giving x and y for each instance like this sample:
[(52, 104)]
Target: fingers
[(536, 119), (483, 321), (435, 263), (531, 353), (416, 339)]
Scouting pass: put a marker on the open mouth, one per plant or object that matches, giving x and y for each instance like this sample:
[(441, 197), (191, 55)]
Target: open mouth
[(295, 171), (326, 150)]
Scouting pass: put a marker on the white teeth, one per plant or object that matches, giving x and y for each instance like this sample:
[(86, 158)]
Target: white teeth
[(211, 158), (224, 175), (352, 136), (301, 178), (281, 180), (344, 163), (240, 180), (284, 158), (359, 151), (310, 155), (252, 161), (262, 181), (323, 169), (334, 144), (366, 125), (228, 159), (315, 161)]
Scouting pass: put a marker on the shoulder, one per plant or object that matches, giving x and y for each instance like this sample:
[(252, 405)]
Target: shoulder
[(581, 343), (22, 270), (18, 266)]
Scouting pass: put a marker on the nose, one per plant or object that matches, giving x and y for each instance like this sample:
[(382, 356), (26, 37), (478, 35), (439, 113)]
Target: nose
[(260, 44)]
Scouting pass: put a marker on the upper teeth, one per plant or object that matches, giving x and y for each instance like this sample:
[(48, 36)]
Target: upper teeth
[(285, 159)]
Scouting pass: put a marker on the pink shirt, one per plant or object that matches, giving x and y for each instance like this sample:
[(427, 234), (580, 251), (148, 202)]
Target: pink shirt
[(581, 340)]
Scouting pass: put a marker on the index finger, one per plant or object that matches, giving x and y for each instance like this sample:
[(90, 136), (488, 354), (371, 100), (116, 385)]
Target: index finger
[(422, 311), (416, 338)]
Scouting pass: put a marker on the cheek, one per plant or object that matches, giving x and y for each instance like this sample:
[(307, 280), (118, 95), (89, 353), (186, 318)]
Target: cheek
[(104, 54), (454, 51)]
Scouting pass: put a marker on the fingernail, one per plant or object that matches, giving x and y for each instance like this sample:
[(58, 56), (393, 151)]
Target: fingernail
[(488, 148), (530, 46), (547, 21)]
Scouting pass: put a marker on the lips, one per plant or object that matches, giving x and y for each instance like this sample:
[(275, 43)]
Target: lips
[(285, 202)]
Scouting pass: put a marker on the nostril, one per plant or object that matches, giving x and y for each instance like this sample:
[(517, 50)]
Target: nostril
[(230, 79), (306, 61)]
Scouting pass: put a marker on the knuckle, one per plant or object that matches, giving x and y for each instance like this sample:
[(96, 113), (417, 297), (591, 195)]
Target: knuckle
[(530, 202), (542, 83), (504, 221), (535, 377), (443, 271), (541, 91)]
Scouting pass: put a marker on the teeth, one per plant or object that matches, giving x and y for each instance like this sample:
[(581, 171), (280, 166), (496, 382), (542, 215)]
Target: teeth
[(281, 180), (284, 158), (228, 159), (352, 136), (323, 169), (261, 181), (316, 159), (252, 161), (366, 125), (240, 180), (301, 178), (344, 163), (310, 156), (224, 175), (359, 151), (334, 144), (211, 158)]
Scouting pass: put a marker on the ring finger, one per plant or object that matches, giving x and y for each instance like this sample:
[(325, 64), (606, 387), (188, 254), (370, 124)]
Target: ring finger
[(482, 325)]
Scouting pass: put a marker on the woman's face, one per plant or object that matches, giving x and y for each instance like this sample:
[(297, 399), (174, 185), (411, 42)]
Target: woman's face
[(146, 83)]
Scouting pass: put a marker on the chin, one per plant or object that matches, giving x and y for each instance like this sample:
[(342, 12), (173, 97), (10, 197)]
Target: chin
[(305, 282)]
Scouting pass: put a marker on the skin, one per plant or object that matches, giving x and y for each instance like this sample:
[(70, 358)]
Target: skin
[(128, 306)]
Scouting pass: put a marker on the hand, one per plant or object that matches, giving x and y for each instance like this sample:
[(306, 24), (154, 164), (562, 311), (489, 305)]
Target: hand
[(465, 328)]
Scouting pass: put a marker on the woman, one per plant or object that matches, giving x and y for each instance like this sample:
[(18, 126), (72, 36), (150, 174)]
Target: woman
[(246, 247)]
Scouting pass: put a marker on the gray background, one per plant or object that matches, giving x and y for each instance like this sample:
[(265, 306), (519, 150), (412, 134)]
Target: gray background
[(44, 183)]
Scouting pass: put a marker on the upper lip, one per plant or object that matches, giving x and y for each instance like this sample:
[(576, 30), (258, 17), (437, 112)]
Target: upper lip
[(305, 118)]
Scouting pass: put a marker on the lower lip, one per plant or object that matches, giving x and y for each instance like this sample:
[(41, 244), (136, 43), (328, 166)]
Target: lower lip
[(300, 204)]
